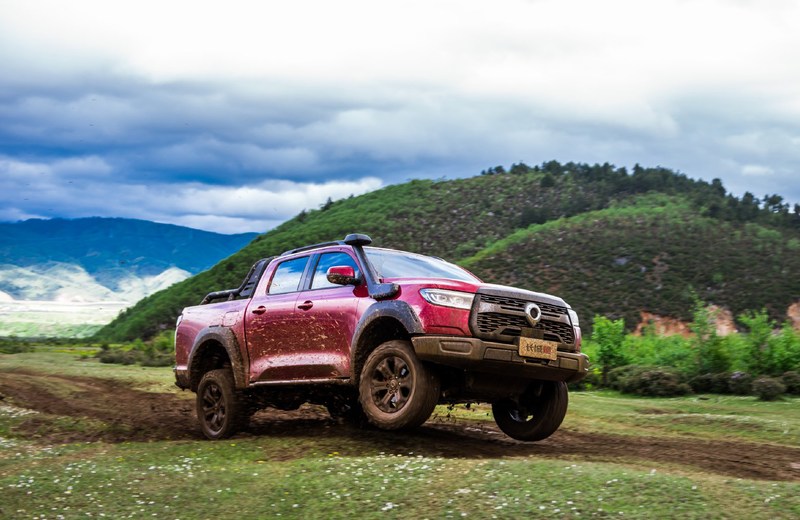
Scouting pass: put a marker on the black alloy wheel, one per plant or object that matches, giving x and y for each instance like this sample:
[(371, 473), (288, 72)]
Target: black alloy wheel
[(396, 389), (220, 409)]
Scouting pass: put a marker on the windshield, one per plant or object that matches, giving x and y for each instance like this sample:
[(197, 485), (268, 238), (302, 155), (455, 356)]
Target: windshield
[(397, 264)]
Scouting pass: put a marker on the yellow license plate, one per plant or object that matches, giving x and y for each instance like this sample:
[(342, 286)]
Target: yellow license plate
[(538, 348)]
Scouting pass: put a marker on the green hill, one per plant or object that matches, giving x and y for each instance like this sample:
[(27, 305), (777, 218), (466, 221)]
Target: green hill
[(530, 219), (658, 255)]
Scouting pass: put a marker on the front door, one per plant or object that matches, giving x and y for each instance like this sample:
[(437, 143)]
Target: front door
[(327, 317)]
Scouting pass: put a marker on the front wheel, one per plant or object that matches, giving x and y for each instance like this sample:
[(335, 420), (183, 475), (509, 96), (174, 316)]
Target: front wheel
[(536, 414), (220, 409), (396, 389)]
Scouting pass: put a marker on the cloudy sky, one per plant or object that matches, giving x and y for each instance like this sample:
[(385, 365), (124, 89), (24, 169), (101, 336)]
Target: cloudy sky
[(233, 116)]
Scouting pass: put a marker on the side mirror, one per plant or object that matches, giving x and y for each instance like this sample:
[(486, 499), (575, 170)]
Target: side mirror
[(342, 275)]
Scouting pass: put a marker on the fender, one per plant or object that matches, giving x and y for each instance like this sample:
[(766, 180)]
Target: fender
[(399, 310), (225, 337)]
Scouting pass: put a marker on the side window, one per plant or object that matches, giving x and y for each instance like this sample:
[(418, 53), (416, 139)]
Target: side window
[(287, 276), (327, 260)]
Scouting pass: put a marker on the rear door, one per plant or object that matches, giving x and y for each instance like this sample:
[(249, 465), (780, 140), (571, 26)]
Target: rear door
[(270, 325)]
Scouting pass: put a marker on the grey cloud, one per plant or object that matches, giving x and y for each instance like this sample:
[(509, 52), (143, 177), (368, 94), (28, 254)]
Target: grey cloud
[(219, 208), (110, 132)]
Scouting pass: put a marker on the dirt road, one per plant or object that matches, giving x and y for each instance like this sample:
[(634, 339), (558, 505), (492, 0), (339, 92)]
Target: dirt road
[(130, 414)]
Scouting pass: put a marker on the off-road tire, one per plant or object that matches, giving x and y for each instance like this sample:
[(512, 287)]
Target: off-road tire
[(396, 390), (536, 415), (221, 411)]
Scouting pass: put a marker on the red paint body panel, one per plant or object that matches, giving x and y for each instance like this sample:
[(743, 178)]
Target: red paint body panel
[(195, 319), (436, 319), (324, 330), (271, 334)]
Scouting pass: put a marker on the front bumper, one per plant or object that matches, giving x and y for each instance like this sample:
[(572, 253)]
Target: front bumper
[(499, 358)]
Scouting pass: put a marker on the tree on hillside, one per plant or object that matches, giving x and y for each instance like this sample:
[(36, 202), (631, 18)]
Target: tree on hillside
[(519, 169), (552, 167), (547, 181), (609, 336), (774, 204), (760, 327), (710, 356)]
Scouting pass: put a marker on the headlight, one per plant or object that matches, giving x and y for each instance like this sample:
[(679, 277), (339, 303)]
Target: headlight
[(445, 298), (574, 317)]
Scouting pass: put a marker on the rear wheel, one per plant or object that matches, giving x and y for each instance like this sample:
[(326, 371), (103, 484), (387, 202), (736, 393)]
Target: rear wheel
[(536, 414), (396, 389), (220, 409)]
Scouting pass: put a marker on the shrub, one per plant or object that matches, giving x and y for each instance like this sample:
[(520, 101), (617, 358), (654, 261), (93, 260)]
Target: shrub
[(791, 380), (648, 381), (651, 349), (768, 388), (117, 356), (616, 378), (155, 353), (711, 383), (164, 342), (158, 359), (740, 383), (13, 346), (722, 383)]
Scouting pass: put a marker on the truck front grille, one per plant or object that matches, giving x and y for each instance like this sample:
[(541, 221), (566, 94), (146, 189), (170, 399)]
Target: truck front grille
[(502, 318), (516, 304)]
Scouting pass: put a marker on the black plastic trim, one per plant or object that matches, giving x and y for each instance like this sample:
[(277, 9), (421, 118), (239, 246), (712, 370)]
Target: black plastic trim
[(475, 355), (248, 285), (225, 337), (399, 310), (313, 246), (377, 290)]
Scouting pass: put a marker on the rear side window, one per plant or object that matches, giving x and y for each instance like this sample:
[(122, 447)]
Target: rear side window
[(327, 261), (287, 276)]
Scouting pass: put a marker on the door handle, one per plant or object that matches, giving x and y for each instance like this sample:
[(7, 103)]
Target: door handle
[(306, 305), (259, 310)]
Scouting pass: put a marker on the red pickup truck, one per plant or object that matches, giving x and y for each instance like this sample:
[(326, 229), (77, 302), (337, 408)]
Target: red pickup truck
[(377, 335)]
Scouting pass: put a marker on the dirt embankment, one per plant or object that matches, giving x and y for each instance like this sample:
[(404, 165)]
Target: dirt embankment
[(130, 414)]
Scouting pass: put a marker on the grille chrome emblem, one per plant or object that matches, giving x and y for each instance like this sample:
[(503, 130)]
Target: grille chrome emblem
[(533, 313)]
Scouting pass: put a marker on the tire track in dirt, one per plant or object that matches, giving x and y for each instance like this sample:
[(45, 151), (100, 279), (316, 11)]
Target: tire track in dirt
[(736, 459), (130, 414)]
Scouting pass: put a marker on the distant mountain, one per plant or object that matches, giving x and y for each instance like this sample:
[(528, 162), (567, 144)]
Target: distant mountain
[(609, 241), (110, 248), (101, 259), (56, 281)]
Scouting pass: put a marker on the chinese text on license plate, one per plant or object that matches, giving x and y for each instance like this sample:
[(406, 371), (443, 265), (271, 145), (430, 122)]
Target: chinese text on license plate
[(538, 348)]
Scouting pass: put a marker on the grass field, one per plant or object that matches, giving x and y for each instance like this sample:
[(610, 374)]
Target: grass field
[(79, 439), (55, 319)]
